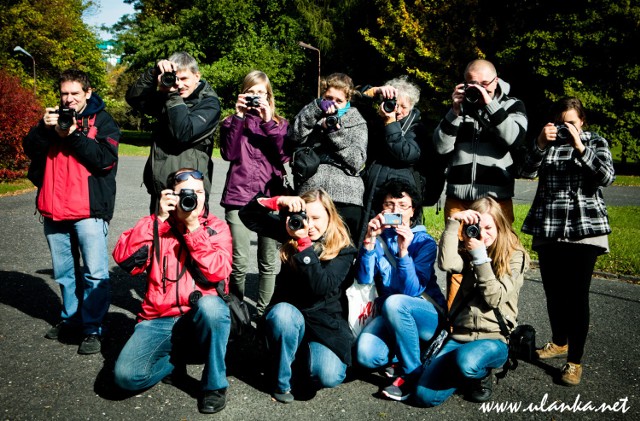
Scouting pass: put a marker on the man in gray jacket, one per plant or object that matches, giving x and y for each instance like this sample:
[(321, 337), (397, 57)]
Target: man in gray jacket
[(480, 133), (187, 110)]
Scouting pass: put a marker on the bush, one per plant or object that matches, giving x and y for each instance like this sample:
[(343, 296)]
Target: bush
[(19, 111)]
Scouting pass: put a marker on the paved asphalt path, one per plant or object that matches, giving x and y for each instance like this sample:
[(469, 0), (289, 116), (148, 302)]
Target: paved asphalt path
[(42, 379)]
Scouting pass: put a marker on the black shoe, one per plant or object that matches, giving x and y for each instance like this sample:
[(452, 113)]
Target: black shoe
[(283, 397), (212, 401), (90, 345), (178, 376), (61, 329), (481, 389)]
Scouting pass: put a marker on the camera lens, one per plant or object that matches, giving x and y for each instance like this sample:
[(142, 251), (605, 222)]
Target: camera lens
[(253, 101), (168, 79), (65, 118), (472, 94), (331, 121), (188, 200), (472, 230), (563, 134), (296, 221), (389, 105)]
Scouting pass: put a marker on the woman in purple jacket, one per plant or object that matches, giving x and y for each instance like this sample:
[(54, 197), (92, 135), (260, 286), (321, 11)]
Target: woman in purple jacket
[(252, 141)]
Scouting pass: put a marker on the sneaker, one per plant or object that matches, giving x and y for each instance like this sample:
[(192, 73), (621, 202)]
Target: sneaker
[(212, 401), (571, 374), (90, 345), (392, 371), (399, 390), (551, 350), (61, 329), (283, 397), (481, 389)]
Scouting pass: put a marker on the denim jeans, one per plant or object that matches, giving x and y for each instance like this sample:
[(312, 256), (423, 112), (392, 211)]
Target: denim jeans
[(404, 322), (68, 241), (267, 261), (157, 346), (455, 364), (285, 333)]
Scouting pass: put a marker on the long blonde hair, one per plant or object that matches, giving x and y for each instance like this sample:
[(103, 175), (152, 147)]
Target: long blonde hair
[(335, 238), (253, 78), (507, 241)]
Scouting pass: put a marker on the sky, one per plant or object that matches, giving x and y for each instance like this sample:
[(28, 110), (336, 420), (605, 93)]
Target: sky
[(108, 13)]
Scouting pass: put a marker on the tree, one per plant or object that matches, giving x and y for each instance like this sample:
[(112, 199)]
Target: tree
[(19, 112)]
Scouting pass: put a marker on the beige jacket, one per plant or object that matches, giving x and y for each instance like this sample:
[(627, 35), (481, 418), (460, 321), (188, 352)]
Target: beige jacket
[(477, 319)]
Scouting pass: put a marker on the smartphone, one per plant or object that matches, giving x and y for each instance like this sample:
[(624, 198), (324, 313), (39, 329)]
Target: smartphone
[(392, 218)]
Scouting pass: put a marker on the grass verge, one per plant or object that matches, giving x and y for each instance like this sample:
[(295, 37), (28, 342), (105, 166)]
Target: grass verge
[(624, 241)]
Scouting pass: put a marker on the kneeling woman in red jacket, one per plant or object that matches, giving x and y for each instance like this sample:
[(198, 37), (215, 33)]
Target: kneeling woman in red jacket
[(306, 314), (185, 260)]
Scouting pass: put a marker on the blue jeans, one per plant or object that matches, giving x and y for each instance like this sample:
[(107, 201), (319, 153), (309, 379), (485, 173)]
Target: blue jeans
[(455, 364), (68, 241), (154, 349), (285, 333), (404, 322)]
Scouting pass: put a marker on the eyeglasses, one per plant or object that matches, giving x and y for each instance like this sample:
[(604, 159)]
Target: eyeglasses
[(393, 205), (184, 176), (483, 84)]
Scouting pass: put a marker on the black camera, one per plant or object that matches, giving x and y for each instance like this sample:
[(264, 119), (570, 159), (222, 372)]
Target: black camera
[(389, 105), (168, 79), (332, 121), (297, 220), (472, 94), (194, 297), (563, 134), (66, 117), (252, 101), (188, 200), (472, 230)]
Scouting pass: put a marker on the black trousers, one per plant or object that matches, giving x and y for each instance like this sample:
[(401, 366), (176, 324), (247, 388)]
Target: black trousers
[(566, 270)]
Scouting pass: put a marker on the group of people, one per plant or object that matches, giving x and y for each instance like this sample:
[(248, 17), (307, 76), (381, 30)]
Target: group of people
[(331, 228)]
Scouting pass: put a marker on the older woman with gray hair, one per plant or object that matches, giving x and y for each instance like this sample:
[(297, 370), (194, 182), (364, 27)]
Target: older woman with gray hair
[(396, 136)]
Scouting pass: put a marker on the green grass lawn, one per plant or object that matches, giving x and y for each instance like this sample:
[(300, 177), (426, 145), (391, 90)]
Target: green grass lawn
[(624, 241)]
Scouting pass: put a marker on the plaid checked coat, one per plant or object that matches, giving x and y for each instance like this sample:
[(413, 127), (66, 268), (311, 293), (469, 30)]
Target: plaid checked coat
[(569, 202)]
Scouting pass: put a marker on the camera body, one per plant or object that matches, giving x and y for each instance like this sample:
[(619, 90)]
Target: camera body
[(389, 105), (563, 135), (252, 101), (65, 117), (472, 94), (392, 218), (331, 121), (168, 79), (297, 220), (188, 200), (472, 230)]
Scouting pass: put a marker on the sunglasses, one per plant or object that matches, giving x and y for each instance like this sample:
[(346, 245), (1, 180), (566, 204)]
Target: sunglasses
[(184, 176)]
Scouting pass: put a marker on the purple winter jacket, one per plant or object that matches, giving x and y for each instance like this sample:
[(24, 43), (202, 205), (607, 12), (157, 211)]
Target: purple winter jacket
[(255, 152)]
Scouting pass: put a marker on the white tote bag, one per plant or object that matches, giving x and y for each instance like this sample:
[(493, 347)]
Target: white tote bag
[(361, 305)]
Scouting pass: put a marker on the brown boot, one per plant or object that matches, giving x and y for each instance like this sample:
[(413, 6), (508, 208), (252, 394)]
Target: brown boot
[(571, 374)]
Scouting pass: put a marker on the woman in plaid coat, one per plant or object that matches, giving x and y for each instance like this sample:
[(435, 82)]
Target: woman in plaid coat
[(569, 224)]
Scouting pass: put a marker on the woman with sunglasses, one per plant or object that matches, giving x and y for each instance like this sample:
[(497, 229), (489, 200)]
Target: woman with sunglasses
[(399, 258), (252, 141), (570, 225), (182, 314), (305, 319)]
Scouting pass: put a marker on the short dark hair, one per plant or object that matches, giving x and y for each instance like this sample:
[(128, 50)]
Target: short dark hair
[(565, 104), (73, 75), (395, 188)]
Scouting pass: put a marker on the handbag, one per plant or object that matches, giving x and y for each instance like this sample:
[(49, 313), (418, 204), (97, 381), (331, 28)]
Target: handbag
[(238, 311), (304, 164), (361, 298)]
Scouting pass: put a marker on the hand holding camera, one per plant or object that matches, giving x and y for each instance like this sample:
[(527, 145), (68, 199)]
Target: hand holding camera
[(560, 134), (62, 119), (186, 201), (167, 78), (471, 230)]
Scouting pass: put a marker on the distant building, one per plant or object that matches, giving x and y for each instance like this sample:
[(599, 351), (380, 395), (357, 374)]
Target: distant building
[(107, 48)]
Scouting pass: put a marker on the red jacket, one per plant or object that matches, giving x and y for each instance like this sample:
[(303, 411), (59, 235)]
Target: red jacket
[(76, 176), (209, 246)]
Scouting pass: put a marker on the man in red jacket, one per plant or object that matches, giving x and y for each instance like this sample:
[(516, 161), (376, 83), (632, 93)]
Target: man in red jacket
[(186, 252), (74, 152)]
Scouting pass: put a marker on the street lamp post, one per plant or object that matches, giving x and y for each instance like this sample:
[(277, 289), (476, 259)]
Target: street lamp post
[(23, 51), (307, 46)]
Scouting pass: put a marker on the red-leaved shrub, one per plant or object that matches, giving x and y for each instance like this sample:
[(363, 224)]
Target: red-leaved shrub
[(20, 110)]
